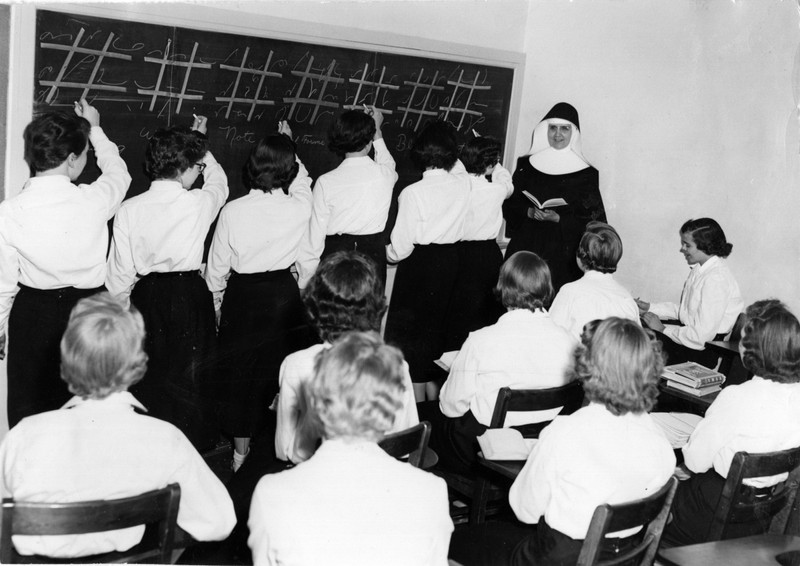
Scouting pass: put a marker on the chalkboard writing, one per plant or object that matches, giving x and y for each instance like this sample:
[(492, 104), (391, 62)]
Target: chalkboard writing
[(143, 77)]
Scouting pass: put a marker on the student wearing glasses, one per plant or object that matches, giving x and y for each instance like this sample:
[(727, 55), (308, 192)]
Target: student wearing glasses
[(155, 262)]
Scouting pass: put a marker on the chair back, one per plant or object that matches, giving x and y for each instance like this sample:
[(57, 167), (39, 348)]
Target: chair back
[(736, 331), (569, 397), (411, 442), (738, 503), (158, 507), (651, 513)]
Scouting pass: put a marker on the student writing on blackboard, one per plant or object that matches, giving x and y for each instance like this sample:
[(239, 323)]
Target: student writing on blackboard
[(351, 203), (262, 321), (53, 242), (430, 220), (155, 260)]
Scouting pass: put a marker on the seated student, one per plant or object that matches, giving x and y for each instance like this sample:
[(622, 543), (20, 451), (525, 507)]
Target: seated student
[(352, 503), (710, 301), (98, 447), (351, 203), (760, 415), (596, 295), (523, 350), (53, 243), (155, 261), (345, 293), (610, 451)]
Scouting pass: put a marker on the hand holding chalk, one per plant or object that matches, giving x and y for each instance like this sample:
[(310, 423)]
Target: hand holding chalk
[(377, 116), (283, 128), (200, 124), (87, 111), (476, 134)]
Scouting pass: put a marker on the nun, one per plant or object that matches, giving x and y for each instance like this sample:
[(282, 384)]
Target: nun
[(554, 168)]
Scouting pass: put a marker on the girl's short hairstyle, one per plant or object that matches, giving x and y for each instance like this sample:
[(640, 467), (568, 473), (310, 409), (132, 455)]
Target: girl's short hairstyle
[(480, 153), (771, 342), (619, 363), (171, 151), (102, 350), (708, 236), (524, 282), (345, 293), (357, 387), (271, 165), (351, 131), (50, 138), (436, 146), (600, 248)]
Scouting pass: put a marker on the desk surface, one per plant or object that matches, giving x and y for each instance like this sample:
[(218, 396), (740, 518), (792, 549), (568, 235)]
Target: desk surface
[(748, 551), (507, 468), (667, 397)]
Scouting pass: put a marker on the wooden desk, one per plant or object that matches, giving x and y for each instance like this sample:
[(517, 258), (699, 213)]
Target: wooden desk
[(674, 400), (507, 468), (731, 364), (748, 551)]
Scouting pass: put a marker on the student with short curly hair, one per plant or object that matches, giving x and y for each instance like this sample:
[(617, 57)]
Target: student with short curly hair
[(523, 350), (53, 243), (261, 315), (351, 203), (710, 301), (596, 295), (154, 262), (430, 221), (362, 506), (98, 447), (344, 294), (760, 415)]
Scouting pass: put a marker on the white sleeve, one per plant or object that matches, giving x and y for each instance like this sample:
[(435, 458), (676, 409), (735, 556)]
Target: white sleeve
[(258, 524), (313, 243), (114, 181), (215, 186), (407, 416), (703, 324), (502, 177), (121, 272), (219, 256), (462, 384), (405, 228), (532, 490), (9, 273), (710, 434), (385, 159), (665, 311)]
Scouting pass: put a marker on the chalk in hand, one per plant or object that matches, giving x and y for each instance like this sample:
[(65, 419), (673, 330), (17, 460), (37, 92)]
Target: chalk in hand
[(476, 134)]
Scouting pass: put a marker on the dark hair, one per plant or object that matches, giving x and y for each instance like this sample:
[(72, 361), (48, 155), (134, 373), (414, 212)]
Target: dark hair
[(480, 153), (708, 236), (619, 364), (435, 146), (271, 164), (345, 293), (771, 342), (351, 131), (172, 151), (50, 139), (600, 248), (524, 282)]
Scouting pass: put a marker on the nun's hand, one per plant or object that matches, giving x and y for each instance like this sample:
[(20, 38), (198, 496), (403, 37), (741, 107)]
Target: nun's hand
[(544, 215)]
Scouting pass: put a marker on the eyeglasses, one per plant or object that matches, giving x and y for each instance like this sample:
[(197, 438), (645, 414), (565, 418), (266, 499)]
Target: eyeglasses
[(201, 166)]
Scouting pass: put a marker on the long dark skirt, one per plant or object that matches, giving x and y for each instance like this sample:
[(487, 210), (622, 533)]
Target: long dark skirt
[(454, 440), (371, 245), (693, 511), (420, 305), (473, 304), (178, 312), (37, 321), (262, 322)]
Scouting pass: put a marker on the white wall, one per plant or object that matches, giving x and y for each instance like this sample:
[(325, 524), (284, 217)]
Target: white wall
[(688, 109)]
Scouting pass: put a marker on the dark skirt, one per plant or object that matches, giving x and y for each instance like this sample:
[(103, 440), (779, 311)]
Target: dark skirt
[(178, 312), (371, 245), (454, 440), (473, 303), (37, 321), (677, 353), (420, 305), (262, 322)]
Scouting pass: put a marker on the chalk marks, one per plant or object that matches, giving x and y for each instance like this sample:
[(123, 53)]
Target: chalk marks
[(260, 73), (165, 62), (316, 96)]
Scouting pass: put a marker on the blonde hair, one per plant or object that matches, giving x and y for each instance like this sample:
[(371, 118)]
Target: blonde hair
[(357, 387), (102, 349)]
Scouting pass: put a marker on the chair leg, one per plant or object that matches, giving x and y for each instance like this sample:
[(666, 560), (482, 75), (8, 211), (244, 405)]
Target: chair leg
[(480, 498)]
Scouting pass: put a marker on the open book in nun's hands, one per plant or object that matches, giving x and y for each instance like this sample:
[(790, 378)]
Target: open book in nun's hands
[(549, 203), (505, 444)]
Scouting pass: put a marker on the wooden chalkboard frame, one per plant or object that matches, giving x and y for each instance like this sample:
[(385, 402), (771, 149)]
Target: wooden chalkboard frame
[(218, 20)]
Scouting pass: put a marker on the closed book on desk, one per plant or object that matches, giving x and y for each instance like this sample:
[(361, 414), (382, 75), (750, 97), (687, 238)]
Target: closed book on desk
[(505, 444), (696, 391), (693, 374)]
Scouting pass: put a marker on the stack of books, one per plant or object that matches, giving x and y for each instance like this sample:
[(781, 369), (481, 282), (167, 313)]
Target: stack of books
[(692, 378)]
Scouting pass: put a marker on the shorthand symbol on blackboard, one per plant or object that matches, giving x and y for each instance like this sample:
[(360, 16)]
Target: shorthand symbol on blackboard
[(308, 76), (471, 87), (164, 62), (361, 82), (260, 73), (428, 88)]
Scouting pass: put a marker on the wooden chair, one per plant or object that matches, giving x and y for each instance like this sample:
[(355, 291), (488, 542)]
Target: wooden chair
[(728, 350), (776, 504), (159, 507), (650, 512), (482, 490), (411, 442)]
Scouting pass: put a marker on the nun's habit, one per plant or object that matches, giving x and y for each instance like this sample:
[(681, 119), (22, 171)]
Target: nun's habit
[(547, 173)]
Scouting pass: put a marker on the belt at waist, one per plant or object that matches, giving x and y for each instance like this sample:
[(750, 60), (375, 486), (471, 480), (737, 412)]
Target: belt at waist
[(260, 276), (61, 292), (170, 274)]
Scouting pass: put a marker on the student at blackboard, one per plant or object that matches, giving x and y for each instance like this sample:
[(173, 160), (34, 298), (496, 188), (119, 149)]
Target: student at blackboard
[(351, 203), (262, 321), (430, 220), (710, 301), (474, 302), (155, 261), (53, 242)]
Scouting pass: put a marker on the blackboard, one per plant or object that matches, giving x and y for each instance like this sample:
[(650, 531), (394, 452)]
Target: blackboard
[(144, 76)]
